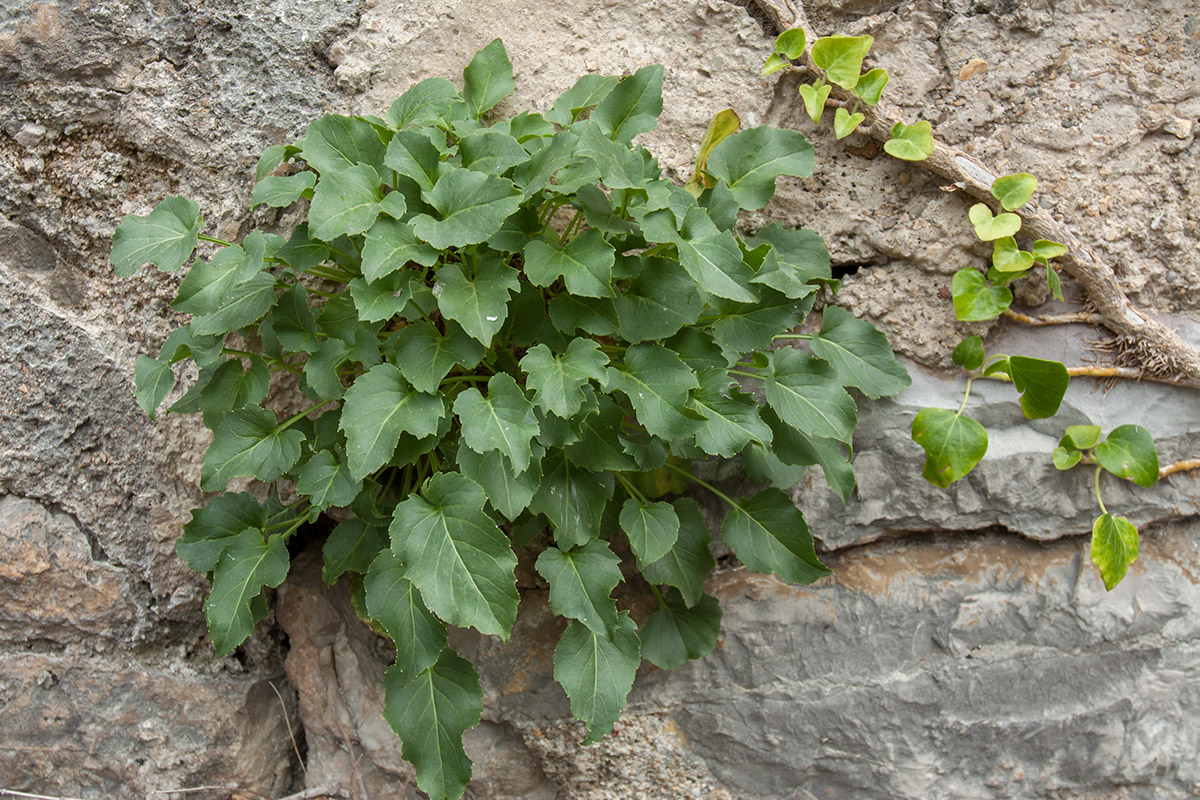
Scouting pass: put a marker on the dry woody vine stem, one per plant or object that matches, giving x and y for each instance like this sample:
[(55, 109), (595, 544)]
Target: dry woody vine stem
[(1054, 319), (1163, 352), (1179, 466), (1096, 371)]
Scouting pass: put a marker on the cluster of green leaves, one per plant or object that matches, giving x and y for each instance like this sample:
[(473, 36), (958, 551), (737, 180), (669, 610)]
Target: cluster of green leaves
[(977, 297), (954, 443), (510, 335), (840, 60), (1129, 453)]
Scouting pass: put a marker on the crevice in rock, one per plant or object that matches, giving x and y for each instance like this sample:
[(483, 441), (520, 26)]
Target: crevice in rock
[(845, 270), (98, 553), (755, 13), (932, 536)]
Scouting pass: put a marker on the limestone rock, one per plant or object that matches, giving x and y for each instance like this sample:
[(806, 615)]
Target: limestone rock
[(50, 585), (114, 727)]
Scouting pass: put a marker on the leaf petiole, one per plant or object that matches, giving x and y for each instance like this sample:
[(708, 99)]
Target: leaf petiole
[(214, 240), (685, 473), (292, 420), (966, 396), (300, 521), (1099, 499), (630, 488), (745, 374)]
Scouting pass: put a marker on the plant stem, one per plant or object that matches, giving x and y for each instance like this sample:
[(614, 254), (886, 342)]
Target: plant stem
[(745, 374), (685, 473), (966, 395), (792, 336), (294, 527), (227, 351), (214, 240), (1099, 499), (658, 595), (465, 379), (566, 235), (328, 274), (1120, 373), (292, 420), (1179, 466), (630, 488), (388, 483), (407, 487), (1055, 319), (333, 249)]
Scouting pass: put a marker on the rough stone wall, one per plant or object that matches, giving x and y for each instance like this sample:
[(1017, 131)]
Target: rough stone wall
[(964, 646)]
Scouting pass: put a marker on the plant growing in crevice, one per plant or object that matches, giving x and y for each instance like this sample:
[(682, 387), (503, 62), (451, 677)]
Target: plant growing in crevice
[(503, 329)]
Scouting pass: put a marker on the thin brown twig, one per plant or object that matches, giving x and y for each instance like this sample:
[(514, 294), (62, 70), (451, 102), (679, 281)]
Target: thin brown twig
[(1170, 355), (287, 718), (354, 771), (15, 793), (193, 789), (1079, 318), (319, 791), (1179, 466), (1091, 371)]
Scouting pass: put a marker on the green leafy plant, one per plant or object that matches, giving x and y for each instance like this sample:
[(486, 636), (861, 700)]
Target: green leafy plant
[(955, 443), (495, 336), (976, 297), (840, 60), (1129, 453)]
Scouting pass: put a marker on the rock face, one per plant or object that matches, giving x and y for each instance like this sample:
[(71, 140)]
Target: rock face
[(964, 646)]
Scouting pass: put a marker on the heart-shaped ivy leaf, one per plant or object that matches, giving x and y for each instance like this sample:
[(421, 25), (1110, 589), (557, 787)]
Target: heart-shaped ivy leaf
[(1008, 258), (791, 43), (1064, 459), (953, 444), (1129, 453), (814, 96), (844, 123), (910, 142), (1014, 191), (989, 228), (871, 84), (1081, 437), (1041, 383), (969, 353), (841, 57), (1044, 250), (1114, 547), (774, 64), (974, 299)]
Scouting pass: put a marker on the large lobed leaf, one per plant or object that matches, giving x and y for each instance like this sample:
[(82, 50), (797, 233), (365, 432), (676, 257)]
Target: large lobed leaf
[(165, 237), (597, 672), (430, 713), (379, 407), (456, 556)]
